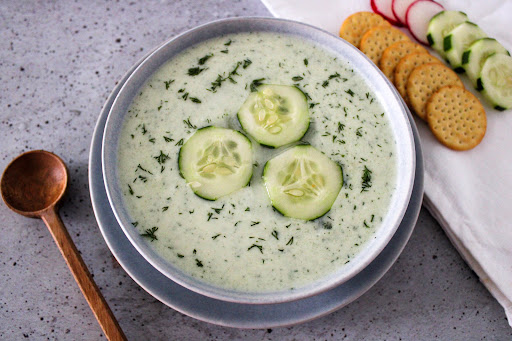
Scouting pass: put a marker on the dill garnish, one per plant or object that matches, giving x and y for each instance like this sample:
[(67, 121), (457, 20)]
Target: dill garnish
[(204, 59), (341, 127), (179, 143), (142, 169), (194, 71), (254, 223), (165, 208), (195, 99), (259, 247), (366, 179), (246, 63), (358, 131), (150, 233), (217, 210), (290, 242), (199, 263), (161, 158), (168, 139), (168, 83), (297, 78), (130, 190), (215, 237), (228, 43), (275, 234), (221, 79), (255, 84), (350, 92), (306, 62), (189, 124)]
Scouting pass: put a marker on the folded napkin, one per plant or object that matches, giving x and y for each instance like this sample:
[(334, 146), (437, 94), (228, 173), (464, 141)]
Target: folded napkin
[(469, 193)]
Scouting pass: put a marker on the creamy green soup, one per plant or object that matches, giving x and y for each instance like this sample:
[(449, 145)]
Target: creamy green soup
[(239, 242)]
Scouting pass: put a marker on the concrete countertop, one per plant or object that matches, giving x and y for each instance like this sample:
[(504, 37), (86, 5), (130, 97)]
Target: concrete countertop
[(59, 60)]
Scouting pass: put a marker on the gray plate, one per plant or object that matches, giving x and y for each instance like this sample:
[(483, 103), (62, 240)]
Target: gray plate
[(234, 314), (378, 84)]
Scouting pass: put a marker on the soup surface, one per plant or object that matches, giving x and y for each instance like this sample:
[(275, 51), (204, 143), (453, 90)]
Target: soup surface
[(239, 242)]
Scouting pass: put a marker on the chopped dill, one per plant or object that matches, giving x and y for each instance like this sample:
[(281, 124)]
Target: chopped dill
[(350, 92), (204, 59), (246, 63), (255, 84), (259, 247), (168, 83), (366, 179), (290, 242), (195, 99), (341, 127), (179, 143), (297, 78), (199, 263), (194, 71), (165, 208), (253, 223), (275, 234), (358, 131), (306, 62), (161, 158), (216, 236), (150, 233), (130, 190)]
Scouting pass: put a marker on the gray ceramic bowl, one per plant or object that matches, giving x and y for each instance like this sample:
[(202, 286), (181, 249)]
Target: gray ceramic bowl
[(385, 93)]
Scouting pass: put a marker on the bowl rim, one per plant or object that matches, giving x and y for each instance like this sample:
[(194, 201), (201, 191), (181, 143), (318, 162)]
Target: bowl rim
[(386, 94)]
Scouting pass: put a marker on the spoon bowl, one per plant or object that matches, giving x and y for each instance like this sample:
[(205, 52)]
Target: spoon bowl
[(34, 182)]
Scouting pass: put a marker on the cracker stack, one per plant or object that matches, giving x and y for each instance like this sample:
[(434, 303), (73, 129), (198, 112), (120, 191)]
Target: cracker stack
[(430, 89)]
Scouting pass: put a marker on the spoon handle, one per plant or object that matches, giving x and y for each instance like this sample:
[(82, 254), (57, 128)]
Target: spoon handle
[(82, 276)]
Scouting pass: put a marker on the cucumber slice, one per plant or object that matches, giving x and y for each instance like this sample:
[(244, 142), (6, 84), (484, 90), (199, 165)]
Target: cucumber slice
[(275, 115), (474, 57), (302, 182), (496, 81), (440, 25), (458, 40), (216, 161)]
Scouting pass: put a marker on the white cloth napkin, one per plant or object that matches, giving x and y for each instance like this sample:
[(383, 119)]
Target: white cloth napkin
[(469, 193)]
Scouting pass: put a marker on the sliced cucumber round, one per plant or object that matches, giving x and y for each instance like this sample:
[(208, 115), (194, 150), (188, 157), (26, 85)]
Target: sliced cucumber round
[(474, 57), (440, 25), (275, 115), (302, 182), (496, 81), (216, 161), (458, 40)]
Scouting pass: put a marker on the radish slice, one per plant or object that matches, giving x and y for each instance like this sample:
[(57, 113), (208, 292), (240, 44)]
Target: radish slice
[(400, 8), (383, 7), (418, 16)]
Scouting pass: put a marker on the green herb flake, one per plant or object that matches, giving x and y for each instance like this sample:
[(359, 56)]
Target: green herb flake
[(341, 127), (216, 236), (165, 208), (130, 190), (161, 158), (256, 83), (253, 223), (199, 263), (366, 179), (179, 255), (204, 59), (306, 62), (179, 143), (194, 71), (358, 131), (168, 83), (259, 247), (297, 78), (150, 233), (195, 99), (189, 124), (290, 242), (350, 92), (246, 63), (275, 234)]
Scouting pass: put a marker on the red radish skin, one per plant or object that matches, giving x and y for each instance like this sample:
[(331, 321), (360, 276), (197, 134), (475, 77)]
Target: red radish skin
[(399, 8), (418, 16), (383, 8)]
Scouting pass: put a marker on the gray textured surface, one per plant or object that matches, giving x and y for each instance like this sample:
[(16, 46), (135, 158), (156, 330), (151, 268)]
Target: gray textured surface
[(58, 62)]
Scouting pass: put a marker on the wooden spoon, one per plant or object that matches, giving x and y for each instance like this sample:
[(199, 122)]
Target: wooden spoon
[(32, 185)]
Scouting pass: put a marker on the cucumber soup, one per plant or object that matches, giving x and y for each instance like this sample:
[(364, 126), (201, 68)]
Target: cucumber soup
[(239, 241)]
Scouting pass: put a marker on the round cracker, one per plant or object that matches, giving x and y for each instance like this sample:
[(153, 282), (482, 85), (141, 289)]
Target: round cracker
[(456, 117), (356, 25), (404, 68), (394, 53), (424, 81), (377, 39)]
